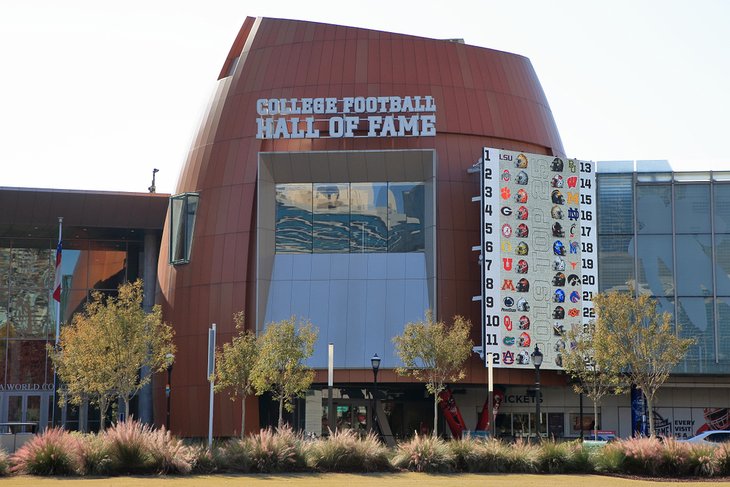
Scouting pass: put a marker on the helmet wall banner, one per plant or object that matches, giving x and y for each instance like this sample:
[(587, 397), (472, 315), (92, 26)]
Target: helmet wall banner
[(538, 226)]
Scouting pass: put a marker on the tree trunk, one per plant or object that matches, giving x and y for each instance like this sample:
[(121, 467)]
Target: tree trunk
[(126, 408), (595, 419), (243, 417), (435, 414), (103, 406), (650, 412), (281, 412)]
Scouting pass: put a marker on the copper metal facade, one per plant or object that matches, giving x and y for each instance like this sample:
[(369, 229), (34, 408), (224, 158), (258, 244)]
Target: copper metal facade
[(483, 98)]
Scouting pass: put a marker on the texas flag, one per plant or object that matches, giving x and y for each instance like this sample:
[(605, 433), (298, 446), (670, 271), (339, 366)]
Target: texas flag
[(57, 281)]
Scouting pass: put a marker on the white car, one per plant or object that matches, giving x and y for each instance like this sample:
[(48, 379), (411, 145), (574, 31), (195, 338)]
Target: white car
[(712, 437)]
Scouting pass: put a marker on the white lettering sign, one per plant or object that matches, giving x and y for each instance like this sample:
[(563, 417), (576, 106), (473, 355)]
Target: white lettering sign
[(349, 117)]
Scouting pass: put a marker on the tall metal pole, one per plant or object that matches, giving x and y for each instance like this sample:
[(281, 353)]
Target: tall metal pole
[(331, 418), (375, 400), (58, 281), (490, 395), (538, 421), (581, 416), (211, 376)]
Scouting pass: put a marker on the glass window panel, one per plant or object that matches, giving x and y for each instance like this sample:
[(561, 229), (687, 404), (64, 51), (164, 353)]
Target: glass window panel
[(4, 264), (722, 207), (656, 268), (654, 208), (107, 268), (27, 362), (293, 218), (331, 220), (615, 205), (33, 409), (692, 208), (722, 265), (694, 265), (15, 408), (615, 261), (695, 316), (74, 264), (183, 210), (405, 217), (30, 313), (723, 330), (32, 268), (368, 217)]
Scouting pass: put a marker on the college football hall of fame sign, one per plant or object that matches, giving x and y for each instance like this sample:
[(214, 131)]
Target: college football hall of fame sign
[(539, 255)]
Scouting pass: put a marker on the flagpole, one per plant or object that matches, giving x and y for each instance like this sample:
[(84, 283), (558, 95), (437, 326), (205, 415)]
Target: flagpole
[(58, 321)]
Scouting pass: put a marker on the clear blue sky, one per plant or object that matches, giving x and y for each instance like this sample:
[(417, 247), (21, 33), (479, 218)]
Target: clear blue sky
[(95, 94)]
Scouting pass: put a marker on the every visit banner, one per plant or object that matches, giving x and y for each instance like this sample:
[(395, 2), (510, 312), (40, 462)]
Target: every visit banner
[(539, 267)]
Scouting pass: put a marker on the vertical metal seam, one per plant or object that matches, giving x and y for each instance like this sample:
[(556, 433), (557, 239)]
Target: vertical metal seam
[(715, 312)]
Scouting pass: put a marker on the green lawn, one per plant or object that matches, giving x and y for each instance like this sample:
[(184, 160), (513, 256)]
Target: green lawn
[(351, 480)]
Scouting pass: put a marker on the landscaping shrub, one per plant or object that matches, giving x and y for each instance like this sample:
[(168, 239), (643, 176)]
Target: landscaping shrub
[(235, 455), (168, 454), (643, 456), (279, 450), (555, 457), (424, 454), (609, 459), (53, 452), (581, 461), (480, 455), (522, 457), (701, 460), (4, 463), (94, 455), (674, 458), (204, 460), (129, 447), (722, 459), (345, 451)]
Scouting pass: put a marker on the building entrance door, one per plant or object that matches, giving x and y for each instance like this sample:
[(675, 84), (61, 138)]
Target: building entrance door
[(350, 414), (24, 412)]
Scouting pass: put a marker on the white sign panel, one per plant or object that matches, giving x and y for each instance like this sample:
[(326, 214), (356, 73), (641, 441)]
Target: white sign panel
[(539, 254)]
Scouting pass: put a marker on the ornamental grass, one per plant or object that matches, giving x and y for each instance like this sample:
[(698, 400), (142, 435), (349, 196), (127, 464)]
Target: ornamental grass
[(277, 450), (53, 452), (424, 454), (345, 451)]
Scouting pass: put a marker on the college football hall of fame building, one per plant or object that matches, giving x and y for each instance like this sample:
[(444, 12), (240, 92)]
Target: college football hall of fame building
[(539, 255)]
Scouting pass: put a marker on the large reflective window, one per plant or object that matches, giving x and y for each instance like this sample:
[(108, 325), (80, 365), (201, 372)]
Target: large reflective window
[(723, 330), (368, 218), (32, 267), (27, 362), (654, 208), (695, 315), (656, 268), (615, 204), (406, 217), (694, 265), (29, 315), (722, 207), (293, 218), (722, 265), (331, 220), (615, 261), (692, 208), (107, 265), (74, 265)]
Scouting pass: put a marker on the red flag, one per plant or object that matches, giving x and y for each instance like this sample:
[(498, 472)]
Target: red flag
[(57, 281)]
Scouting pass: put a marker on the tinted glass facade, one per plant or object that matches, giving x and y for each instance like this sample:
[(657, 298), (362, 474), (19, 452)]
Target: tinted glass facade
[(669, 232), (28, 311)]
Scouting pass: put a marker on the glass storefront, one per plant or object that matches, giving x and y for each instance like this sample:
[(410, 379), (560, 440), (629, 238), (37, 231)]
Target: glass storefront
[(28, 311), (677, 247)]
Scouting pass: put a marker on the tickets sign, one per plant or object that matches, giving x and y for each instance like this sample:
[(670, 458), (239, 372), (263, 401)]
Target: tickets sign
[(539, 255)]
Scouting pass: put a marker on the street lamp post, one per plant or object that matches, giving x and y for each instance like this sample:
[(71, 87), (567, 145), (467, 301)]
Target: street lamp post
[(170, 358), (375, 363), (537, 362)]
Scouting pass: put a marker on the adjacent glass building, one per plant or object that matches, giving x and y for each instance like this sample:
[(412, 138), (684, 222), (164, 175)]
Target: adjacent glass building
[(670, 232)]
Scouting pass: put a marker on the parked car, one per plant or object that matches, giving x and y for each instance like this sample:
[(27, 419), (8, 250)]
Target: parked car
[(711, 437)]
